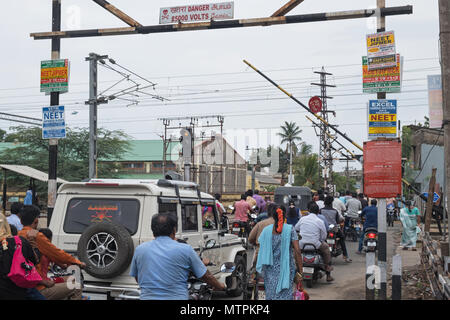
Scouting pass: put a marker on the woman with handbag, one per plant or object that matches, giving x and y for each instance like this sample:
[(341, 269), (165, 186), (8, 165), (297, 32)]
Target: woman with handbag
[(9, 290), (279, 254)]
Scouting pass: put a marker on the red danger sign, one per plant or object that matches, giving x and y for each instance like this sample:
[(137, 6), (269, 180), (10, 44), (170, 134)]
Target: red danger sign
[(315, 104), (382, 168)]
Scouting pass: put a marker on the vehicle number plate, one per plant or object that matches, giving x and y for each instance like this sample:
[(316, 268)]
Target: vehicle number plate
[(308, 270), (371, 244), (236, 229), (261, 295), (331, 241)]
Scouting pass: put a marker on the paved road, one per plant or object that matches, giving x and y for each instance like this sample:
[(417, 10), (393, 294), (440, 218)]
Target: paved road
[(349, 283)]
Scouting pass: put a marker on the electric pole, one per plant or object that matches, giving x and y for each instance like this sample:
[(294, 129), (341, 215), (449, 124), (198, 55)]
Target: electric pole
[(325, 152), (444, 36), (54, 101), (93, 103), (382, 236)]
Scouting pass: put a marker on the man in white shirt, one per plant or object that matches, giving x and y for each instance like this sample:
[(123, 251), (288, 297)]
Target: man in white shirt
[(339, 206), (312, 230)]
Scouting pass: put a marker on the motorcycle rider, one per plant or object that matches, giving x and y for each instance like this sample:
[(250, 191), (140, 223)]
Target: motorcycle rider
[(241, 210), (370, 216), (312, 230), (161, 267), (333, 217), (353, 206), (260, 203)]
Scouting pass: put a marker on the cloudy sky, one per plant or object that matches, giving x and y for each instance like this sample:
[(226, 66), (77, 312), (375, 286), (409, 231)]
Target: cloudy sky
[(202, 73)]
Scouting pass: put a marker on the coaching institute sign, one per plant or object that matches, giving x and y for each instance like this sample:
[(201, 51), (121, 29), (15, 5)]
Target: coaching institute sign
[(382, 119), (197, 13), (53, 122), (55, 76), (381, 50)]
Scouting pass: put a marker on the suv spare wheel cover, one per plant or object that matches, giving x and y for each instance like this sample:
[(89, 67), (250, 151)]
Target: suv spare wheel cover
[(106, 248)]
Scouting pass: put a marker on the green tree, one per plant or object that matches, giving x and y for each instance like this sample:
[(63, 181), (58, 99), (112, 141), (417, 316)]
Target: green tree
[(2, 135), (73, 154), (290, 133)]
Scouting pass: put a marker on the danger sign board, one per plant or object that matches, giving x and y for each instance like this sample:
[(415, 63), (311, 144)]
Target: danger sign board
[(315, 104), (196, 13), (382, 119), (382, 168)]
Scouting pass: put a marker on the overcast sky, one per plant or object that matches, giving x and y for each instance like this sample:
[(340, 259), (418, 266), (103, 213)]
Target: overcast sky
[(202, 72)]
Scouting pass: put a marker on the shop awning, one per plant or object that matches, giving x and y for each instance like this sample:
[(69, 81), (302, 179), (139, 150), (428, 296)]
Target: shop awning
[(29, 172)]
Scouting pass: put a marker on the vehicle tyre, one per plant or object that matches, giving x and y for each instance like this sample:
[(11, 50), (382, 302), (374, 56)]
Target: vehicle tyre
[(106, 248), (309, 283), (240, 273)]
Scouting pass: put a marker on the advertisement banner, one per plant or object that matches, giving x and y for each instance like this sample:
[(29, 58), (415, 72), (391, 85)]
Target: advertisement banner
[(382, 119), (382, 168), (435, 111), (55, 76), (381, 50), (197, 13), (53, 122), (382, 80)]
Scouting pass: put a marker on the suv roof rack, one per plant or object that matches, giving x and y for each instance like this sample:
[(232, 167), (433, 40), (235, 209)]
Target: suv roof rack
[(174, 183)]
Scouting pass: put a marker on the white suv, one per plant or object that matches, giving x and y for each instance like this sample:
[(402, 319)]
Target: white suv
[(102, 221)]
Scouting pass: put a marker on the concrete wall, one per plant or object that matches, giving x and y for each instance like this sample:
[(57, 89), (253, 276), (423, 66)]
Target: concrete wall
[(435, 160)]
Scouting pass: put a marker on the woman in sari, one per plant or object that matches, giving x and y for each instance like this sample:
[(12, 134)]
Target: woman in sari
[(279, 254), (410, 218)]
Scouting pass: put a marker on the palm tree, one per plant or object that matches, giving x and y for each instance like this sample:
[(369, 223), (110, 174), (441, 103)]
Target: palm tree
[(290, 133)]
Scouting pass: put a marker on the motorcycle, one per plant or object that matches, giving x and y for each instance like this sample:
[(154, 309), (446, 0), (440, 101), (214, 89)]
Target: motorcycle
[(242, 229), (390, 216), (370, 240), (313, 264), (333, 241), (255, 289), (354, 229), (199, 290)]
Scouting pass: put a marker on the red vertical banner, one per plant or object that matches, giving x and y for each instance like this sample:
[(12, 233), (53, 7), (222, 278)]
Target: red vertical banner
[(382, 168)]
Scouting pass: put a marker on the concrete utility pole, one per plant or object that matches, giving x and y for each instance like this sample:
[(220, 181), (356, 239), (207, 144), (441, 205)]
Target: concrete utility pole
[(382, 236), (93, 103), (444, 36), (54, 101)]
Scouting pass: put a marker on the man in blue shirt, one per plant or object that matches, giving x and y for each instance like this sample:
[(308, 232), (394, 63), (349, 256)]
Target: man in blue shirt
[(161, 267), (370, 214), (14, 218)]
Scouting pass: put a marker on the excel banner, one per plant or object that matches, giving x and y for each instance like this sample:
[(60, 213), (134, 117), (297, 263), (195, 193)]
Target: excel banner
[(382, 119), (55, 76)]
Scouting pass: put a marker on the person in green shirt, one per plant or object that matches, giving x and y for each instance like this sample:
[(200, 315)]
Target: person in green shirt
[(410, 218)]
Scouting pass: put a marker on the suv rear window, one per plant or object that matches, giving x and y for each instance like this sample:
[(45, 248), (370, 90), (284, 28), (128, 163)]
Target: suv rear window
[(81, 213)]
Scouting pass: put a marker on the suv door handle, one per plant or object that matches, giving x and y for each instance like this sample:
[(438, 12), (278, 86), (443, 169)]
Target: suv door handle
[(205, 236)]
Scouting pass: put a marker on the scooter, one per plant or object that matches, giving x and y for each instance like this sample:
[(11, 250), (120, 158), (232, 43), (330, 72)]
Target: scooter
[(313, 264), (370, 240), (199, 290)]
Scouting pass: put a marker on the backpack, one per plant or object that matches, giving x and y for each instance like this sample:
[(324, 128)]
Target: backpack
[(23, 273)]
